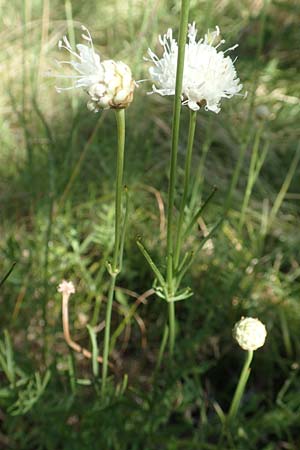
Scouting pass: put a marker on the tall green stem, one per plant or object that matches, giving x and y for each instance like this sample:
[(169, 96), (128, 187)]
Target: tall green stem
[(187, 172), (185, 4), (120, 118), (114, 269), (240, 387)]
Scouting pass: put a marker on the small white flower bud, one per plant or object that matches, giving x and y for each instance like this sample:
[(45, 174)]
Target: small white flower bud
[(262, 112), (115, 90), (66, 288), (249, 333)]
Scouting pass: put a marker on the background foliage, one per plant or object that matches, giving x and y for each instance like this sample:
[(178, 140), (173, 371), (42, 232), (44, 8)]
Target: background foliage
[(57, 176)]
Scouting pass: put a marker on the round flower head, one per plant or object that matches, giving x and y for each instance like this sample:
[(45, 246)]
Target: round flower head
[(66, 288), (109, 83), (250, 333), (208, 74)]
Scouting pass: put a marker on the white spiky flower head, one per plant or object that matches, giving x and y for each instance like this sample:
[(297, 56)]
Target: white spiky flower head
[(249, 333), (66, 288), (208, 74), (109, 83)]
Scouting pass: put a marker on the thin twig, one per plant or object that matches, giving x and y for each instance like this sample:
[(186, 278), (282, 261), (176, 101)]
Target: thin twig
[(8, 273), (132, 313), (65, 320)]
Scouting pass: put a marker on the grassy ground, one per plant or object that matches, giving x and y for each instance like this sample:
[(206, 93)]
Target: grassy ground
[(57, 211)]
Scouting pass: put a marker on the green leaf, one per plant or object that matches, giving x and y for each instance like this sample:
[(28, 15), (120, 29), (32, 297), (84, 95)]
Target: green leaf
[(151, 264)]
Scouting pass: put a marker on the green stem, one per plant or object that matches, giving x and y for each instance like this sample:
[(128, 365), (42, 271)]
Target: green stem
[(95, 364), (199, 212), (187, 172), (286, 333), (72, 374), (162, 349), (236, 174), (107, 332), (251, 177), (171, 326), (285, 186), (8, 273), (120, 118), (240, 387), (248, 124), (199, 175), (185, 4)]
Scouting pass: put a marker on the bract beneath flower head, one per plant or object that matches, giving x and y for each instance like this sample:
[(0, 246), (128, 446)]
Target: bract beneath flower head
[(208, 74)]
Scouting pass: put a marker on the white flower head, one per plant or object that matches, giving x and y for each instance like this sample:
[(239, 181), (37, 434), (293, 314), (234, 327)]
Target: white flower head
[(66, 288), (109, 83), (208, 74), (250, 333)]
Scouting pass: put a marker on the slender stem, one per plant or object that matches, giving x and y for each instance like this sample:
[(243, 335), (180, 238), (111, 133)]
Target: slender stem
[(8, 273), (199, 212), (251, 177), (171, 326), (97, 308), (199, 175), (95, 365), (72, 374), (162, 349), (285, 186), (286, 333), (248, 123), (66, 330), (79, 162), (269, 217), (107, 332), (240, 387), (187, 172), (236, 174), (174, 150), (120, 118)]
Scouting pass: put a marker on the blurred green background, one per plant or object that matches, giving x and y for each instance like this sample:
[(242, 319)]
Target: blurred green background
[(57, 166)]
